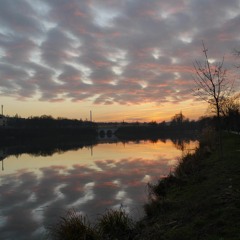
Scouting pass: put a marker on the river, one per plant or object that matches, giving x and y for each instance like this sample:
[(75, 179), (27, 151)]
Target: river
[(35, 189)]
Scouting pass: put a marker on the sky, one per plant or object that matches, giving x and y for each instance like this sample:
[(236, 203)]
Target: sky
[(128, 60)]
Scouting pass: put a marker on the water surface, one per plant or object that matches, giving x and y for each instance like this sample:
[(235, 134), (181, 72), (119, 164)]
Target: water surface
[(36, 190)]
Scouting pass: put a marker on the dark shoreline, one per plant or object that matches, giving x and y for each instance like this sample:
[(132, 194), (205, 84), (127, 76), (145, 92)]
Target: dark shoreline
[(47, 141)]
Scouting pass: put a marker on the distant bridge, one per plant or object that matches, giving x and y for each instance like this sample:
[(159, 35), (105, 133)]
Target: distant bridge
[(106, 131)]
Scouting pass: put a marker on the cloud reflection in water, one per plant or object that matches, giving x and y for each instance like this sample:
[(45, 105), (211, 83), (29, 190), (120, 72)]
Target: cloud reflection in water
[(30, 200)]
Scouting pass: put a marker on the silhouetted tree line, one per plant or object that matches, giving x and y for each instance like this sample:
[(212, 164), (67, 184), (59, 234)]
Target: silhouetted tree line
[(46, 121), (179, 126), (45, 129), (21, 130)]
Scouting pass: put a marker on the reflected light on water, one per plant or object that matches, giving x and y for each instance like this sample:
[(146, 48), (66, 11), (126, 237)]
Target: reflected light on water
[(42, 188), (84, 156)]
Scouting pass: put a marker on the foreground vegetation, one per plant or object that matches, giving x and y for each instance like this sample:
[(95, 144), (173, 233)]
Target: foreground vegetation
[(199, 200), (114, 224)]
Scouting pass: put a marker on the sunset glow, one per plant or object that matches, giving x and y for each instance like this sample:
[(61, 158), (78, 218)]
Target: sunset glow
[(122, 60)]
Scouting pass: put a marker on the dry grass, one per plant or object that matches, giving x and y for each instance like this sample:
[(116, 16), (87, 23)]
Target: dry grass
[(115, 224), (72, 227)]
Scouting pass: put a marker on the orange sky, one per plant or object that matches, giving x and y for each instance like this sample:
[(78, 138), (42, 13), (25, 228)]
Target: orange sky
[(115, 112)]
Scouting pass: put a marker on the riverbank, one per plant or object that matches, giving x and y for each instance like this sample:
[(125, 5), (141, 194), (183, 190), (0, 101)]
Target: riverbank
[(201, 200)]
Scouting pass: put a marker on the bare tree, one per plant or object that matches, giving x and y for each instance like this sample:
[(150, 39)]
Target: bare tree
[(231, 113), (212, 84), (231, 104)]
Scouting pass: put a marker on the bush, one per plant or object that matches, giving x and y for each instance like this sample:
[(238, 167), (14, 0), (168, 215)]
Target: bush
[(159, 190), (188, 165), (158, 208), (73, 227), (208, 138), (115, 224)]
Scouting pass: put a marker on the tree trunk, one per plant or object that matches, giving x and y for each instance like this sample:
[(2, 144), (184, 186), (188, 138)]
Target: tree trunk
[(219, 132)]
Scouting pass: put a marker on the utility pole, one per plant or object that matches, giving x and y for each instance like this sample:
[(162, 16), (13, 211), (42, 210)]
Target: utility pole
[(90, 116)]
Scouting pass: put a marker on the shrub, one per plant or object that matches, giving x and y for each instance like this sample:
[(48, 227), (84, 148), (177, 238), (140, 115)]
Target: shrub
[(157, 193), (208, 138), (73, 227), (158, 208), (188, 165), (159, 190), (115, 224)]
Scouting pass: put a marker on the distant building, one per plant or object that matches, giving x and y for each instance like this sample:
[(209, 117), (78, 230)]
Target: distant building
[(3, 121)]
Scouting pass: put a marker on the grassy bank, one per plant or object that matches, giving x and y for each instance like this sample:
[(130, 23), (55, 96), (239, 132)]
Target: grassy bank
[(199, 200)]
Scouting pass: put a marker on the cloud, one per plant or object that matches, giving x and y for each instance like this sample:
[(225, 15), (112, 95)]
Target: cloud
[(56, 47), (126, 52), (19, 18), (30, 201)]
